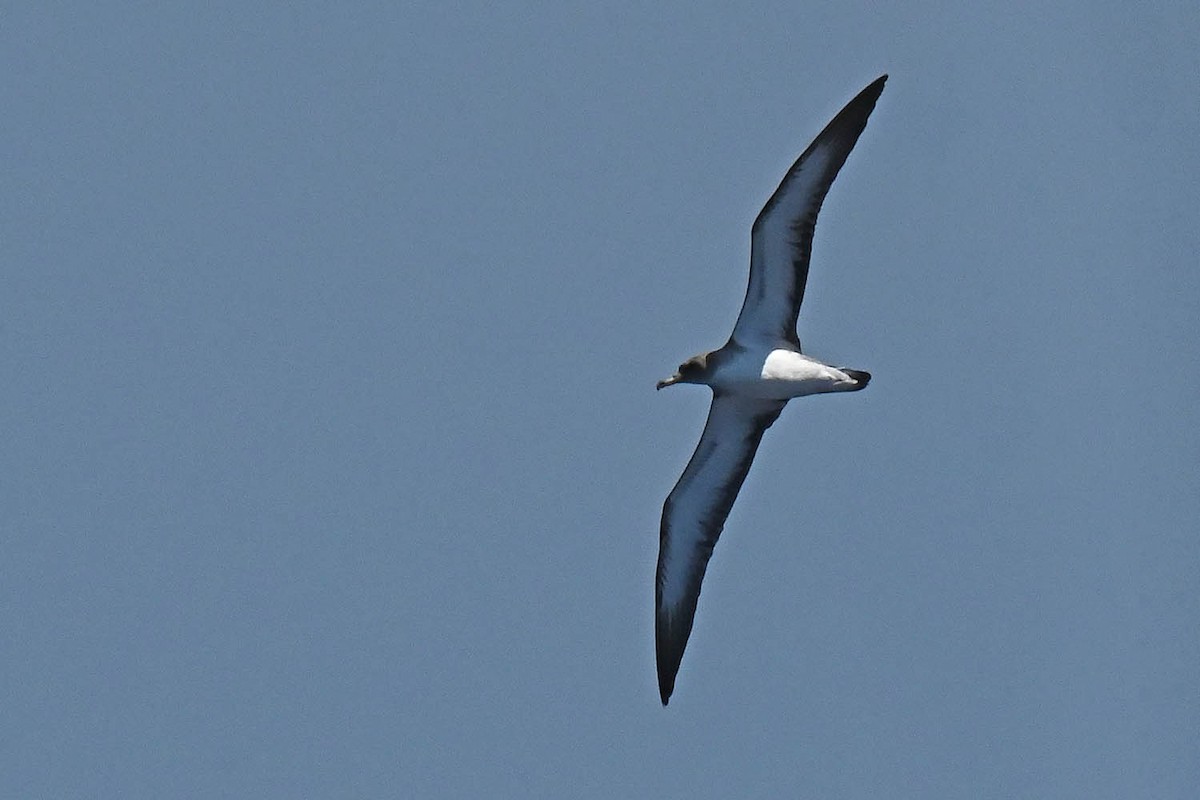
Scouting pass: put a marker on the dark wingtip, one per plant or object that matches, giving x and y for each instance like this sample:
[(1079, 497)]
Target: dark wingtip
[(857, 110), (666, 686), (870, 94), (666, 677), (669, 645)]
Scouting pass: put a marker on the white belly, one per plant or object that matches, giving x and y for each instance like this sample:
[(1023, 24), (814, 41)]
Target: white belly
[(781, 375)]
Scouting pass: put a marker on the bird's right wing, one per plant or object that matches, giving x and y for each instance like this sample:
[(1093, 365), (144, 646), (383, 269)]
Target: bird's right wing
[(694, 515)]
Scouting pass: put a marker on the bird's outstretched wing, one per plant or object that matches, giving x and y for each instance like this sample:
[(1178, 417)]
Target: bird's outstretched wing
[(694, 515), (781, 239)]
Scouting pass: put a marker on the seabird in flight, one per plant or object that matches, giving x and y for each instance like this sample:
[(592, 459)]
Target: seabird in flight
[(752, 377)]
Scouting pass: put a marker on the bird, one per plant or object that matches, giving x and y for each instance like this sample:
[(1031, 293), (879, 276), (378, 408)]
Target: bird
[(753, 376)]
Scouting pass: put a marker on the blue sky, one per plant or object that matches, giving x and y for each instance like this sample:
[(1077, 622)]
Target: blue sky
[(333, 461)]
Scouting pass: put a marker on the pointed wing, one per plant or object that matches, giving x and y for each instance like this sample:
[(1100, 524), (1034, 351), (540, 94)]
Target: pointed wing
[(694, 515), (781, 239)]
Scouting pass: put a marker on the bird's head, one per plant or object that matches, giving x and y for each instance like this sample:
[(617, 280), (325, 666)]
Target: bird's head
[(694, 370)]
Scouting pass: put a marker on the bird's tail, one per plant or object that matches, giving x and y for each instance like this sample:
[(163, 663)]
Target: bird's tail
[(861, 378)]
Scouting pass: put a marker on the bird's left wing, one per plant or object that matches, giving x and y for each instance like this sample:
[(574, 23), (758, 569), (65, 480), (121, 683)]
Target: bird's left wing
[(694, 515), (782, 236)]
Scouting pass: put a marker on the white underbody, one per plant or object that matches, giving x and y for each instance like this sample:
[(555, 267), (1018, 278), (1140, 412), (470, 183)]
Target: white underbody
[(778, 375)]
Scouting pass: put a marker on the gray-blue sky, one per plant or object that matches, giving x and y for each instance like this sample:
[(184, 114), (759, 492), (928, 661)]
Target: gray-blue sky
[(333, 461)]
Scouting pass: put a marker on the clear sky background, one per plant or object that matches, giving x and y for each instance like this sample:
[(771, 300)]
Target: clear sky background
[(332, 463)]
